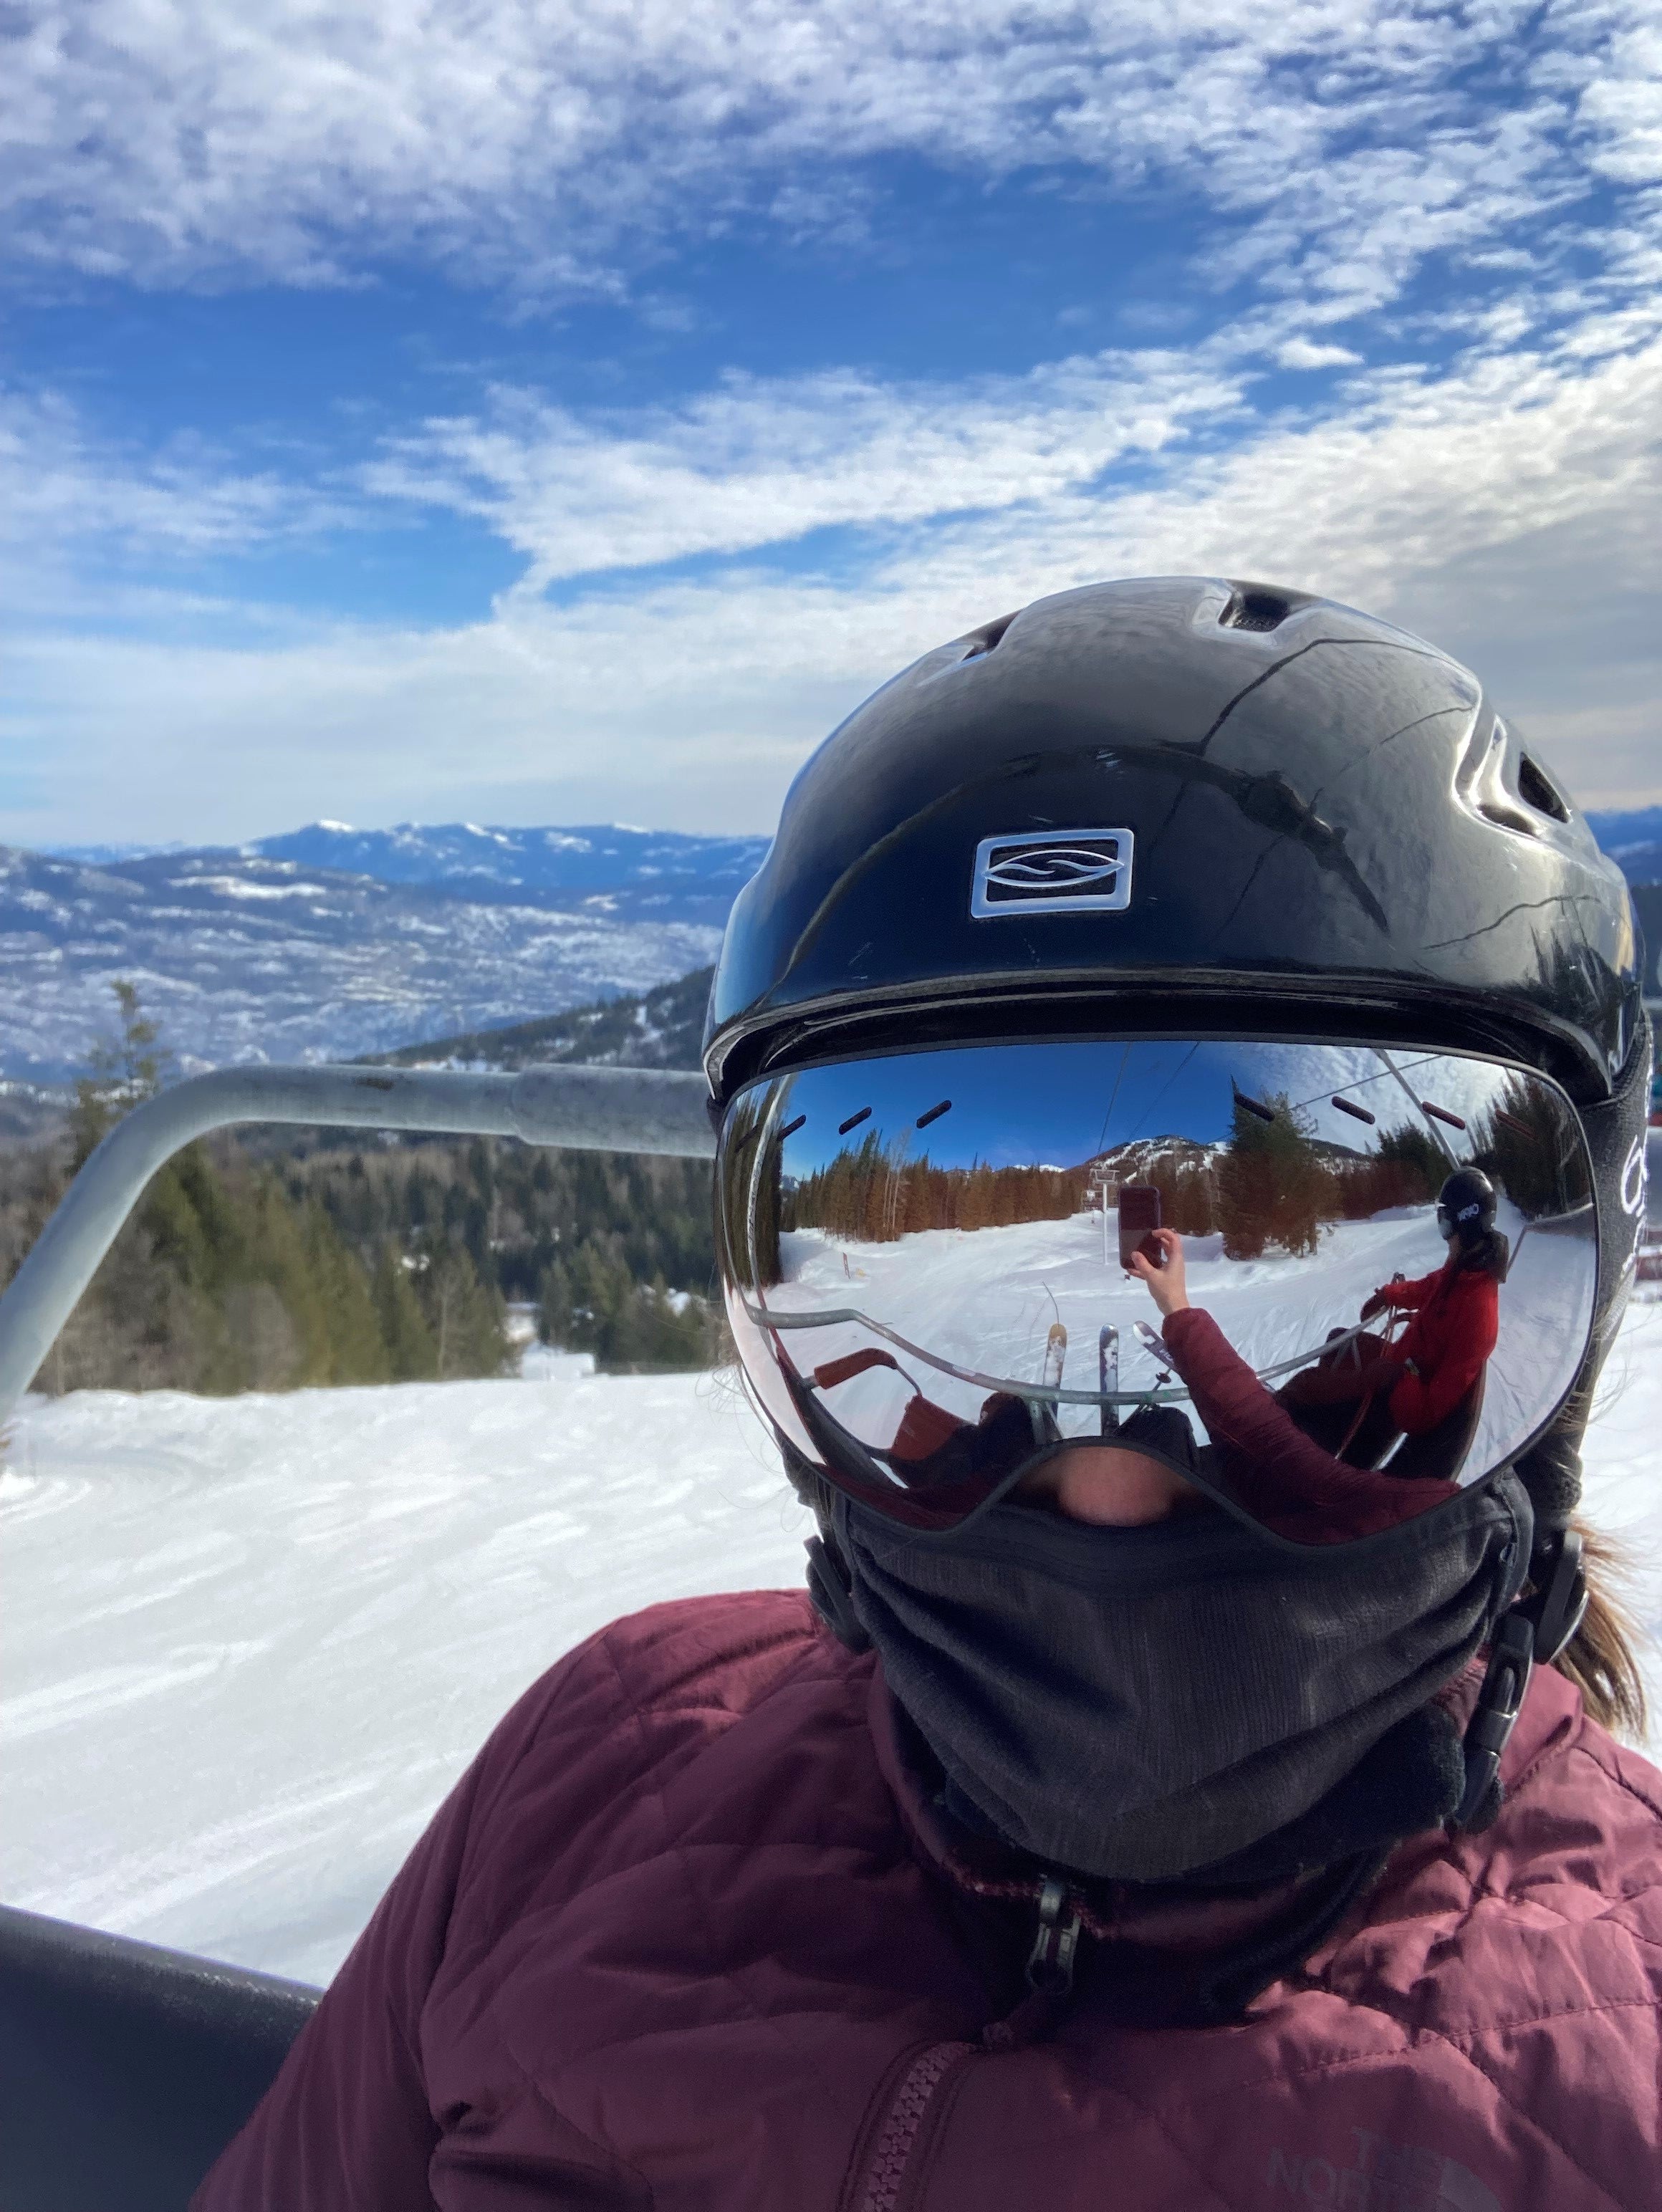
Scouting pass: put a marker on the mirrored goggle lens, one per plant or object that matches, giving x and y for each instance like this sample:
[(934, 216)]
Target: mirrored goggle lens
[(934, 1281)]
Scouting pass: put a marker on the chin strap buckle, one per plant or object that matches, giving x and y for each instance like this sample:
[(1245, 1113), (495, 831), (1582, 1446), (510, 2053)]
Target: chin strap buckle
[(830, 1587), (1530, 1633), (1559, 1603), (1050, 1962)]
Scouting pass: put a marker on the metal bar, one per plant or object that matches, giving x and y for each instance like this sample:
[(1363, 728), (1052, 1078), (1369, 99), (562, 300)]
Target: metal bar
[(616, 1109)]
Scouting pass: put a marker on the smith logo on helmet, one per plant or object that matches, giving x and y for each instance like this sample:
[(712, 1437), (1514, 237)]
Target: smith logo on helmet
[(1066, 871)]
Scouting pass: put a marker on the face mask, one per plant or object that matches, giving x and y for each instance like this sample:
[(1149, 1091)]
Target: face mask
[(1143, 1703)]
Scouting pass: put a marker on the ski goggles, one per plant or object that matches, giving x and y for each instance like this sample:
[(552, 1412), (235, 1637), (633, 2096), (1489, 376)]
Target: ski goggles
[(1451, 1220), (930, 1271)]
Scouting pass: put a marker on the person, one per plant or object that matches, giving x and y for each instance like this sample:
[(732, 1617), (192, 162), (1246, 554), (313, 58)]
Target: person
[(1434, 1367), (1087, 1839), (1294, 1486), (1428, 1380)]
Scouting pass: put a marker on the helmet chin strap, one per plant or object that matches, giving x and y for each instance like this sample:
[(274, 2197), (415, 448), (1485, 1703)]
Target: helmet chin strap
[(1531, 1632), (830, 1590)]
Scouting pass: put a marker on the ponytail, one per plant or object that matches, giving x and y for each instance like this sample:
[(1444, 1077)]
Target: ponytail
[(1488, 1253), (1602, 1657)]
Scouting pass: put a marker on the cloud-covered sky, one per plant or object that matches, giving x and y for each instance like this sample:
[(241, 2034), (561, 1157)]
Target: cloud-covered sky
[(532, 410)]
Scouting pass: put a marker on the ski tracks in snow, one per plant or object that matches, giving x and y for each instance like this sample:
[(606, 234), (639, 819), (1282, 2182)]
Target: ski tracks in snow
[(248, 1643)]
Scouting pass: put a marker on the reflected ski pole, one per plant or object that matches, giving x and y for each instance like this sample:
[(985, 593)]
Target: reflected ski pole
[(1154, 1343)]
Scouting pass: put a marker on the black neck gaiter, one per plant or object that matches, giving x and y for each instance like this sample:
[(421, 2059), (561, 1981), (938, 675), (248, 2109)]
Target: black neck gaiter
[(1144, 1704)]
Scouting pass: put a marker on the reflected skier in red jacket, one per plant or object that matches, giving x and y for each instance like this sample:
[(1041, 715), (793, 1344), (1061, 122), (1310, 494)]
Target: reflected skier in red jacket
[(1456, 1310), (1426, 1384)]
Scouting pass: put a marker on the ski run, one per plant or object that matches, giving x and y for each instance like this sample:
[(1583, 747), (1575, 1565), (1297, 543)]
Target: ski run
[(248, 1643)]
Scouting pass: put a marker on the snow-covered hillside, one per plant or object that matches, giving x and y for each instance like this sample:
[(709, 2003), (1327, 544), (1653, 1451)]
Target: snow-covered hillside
[(332, 944), (656, 867), (637, 869), (247, 1645)]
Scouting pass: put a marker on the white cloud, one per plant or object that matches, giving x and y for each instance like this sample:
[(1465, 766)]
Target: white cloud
[(1503, 501), (755, 463), (1508, 510), (1304, 353), (1417, 472), (202, 140), (1621, 106), (70, 499)]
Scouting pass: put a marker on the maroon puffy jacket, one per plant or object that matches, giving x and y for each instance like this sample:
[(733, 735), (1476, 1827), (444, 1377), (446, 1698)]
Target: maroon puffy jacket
[(685, 1938), (1290, 1483)]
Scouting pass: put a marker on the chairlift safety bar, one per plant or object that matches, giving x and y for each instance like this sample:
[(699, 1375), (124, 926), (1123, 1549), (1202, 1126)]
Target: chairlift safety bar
[(613, 1110)]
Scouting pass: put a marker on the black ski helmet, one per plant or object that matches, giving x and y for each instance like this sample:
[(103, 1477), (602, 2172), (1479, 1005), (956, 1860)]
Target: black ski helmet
[(1196, 802), (1466, 1206)]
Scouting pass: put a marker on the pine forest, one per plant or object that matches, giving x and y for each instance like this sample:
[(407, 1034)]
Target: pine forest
[(271, 1263)]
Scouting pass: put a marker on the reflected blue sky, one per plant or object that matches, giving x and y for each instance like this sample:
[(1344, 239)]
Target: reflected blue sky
[(1061, 1104)]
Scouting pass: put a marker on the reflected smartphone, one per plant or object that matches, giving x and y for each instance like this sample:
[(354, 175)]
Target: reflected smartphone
[(1139, 1212)]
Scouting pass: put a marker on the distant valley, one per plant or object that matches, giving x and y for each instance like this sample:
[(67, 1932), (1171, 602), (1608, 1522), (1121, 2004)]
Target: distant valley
[(331, 943)]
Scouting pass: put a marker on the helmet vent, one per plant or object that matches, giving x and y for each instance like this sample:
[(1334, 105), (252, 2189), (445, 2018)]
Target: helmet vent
[(1536, 789), (985, 640), (1255, 610)]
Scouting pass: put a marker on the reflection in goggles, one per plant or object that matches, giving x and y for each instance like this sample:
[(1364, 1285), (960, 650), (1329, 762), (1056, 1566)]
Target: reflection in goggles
[(912, 1243)]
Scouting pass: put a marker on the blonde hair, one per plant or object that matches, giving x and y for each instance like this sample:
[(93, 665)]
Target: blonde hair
[(1602, 1657)]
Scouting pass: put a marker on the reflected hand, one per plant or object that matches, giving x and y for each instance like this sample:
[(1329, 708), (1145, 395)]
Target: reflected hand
[(1167, 1284), (1378, 1303)]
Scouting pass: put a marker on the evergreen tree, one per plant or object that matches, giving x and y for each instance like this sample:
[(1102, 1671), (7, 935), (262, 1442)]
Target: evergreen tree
[(1272, 1188), (1530, 1151), (354, 1349), (554, 1315), (1422, 1162), (467, 1319), (412, 1354), (123, 1071)]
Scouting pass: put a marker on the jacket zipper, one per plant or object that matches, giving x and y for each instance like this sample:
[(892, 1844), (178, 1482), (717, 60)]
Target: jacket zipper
[(921, 2096), (898, 2139)]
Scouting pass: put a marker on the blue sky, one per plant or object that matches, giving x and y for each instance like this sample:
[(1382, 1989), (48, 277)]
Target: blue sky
[(534, 412), (1079, 1099)]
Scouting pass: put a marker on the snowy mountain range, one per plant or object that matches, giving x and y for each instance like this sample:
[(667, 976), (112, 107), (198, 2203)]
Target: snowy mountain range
[(651, 872), (1634, 842), (331, 943)]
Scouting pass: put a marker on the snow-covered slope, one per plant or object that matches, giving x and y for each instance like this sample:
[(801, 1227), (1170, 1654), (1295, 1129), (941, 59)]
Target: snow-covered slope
[(479, 861), (248, 1643)]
